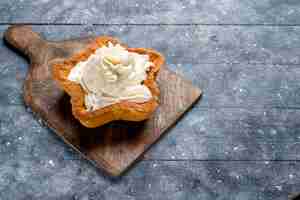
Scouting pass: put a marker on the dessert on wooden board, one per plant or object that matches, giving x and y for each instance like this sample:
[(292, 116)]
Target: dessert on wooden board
[(109, 81), (118, 146)]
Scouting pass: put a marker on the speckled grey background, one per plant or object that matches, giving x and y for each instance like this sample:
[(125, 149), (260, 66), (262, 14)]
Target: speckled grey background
[(240, 142)]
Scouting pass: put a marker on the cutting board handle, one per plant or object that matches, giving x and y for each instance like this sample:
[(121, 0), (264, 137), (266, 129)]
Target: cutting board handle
[(24, 39)]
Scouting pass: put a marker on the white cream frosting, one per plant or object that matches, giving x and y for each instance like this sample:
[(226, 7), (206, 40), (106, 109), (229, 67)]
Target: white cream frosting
[(110, 75)]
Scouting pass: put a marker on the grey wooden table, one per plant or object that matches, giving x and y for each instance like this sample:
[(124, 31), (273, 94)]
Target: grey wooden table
[(241, 141)]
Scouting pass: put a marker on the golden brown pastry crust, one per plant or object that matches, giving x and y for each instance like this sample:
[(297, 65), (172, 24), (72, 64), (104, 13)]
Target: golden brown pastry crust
[(125, 110)]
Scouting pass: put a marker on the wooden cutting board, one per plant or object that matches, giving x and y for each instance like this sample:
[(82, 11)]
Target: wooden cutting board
[(112, 147)]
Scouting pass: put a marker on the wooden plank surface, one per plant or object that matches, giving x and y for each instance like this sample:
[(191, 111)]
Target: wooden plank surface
[(242, 84), (242, 135), (151, 12), (76, 179), (257, 126), (198, 44)]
